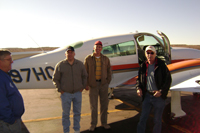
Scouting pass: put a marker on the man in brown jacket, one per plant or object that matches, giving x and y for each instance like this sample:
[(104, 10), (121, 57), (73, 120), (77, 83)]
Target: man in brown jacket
[(99, 76)]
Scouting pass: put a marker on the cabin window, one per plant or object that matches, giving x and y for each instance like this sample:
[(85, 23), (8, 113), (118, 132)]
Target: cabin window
[(121, 49)]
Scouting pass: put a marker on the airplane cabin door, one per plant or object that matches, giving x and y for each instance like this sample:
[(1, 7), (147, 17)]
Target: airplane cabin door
[(162, 47), (166, 45)]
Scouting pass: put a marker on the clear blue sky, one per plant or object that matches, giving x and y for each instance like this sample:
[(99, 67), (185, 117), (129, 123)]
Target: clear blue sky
[(56, 23)]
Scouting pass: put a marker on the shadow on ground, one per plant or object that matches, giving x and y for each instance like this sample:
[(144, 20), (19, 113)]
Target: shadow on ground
[(124, 126), (189, 123)]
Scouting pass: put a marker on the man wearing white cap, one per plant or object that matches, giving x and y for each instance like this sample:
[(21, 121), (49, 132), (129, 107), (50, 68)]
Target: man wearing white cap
[(153, 83)]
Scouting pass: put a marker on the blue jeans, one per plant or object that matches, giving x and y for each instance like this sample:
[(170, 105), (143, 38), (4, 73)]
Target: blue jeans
[(151, 102), (67, 98), (8, 128)]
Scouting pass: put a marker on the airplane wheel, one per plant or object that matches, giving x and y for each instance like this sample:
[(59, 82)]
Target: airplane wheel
[(110, 93), (167, 115)]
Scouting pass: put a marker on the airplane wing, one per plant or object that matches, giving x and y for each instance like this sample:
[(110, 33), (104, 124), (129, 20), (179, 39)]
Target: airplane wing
[(190, 85), (185, 76), (129, 83)]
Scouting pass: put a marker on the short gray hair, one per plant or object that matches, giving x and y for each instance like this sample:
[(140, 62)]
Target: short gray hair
[(4, 53)]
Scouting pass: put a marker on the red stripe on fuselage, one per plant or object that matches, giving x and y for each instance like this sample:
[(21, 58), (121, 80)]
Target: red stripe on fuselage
[(175, 61), (125, 66), (136, 65)]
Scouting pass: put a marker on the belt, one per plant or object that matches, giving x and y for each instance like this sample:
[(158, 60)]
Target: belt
[(151, 92), (98, 80)]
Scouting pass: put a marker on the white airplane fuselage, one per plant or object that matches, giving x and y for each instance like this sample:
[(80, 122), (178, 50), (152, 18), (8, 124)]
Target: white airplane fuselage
[(36, 71), (125, 52)]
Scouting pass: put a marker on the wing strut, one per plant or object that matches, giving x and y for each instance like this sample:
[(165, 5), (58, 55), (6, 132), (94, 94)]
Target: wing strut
[(176, 104)]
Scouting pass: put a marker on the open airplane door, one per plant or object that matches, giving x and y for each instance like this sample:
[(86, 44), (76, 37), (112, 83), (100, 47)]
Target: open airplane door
[(166, 45), (162, 46), (141, 41)]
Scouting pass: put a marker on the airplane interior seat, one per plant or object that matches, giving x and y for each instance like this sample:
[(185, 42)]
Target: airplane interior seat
[(131, 50), (107, 52), (159, 49), (141, 56), (160, 52), (144, 47), (122, 53)]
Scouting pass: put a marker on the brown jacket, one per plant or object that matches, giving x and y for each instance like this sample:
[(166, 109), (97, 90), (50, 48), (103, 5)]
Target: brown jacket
[(90, 65), (70, 78)]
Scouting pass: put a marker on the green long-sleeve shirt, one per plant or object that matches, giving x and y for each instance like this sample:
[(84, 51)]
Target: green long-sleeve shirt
[(70, 78)]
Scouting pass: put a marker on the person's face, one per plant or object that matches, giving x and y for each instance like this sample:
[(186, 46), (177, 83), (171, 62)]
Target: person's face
[(5, 63), (150, 56), (70, 55), (97, 49)]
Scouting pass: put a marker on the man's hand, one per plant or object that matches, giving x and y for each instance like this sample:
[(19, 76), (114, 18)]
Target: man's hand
[(157, 94), (62, 92), (87, 88), (139, 92)]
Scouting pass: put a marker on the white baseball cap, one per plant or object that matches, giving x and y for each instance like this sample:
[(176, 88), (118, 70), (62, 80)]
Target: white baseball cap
[(152, 48)]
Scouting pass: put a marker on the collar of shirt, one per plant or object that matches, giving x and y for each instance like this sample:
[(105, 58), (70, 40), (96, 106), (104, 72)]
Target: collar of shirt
[(93, 55), (66, 61)]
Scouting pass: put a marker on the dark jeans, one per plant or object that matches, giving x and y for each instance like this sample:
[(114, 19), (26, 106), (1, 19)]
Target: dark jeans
[(151, 102)]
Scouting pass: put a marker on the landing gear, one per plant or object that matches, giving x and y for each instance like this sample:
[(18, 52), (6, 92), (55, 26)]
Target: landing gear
[(110, 93)]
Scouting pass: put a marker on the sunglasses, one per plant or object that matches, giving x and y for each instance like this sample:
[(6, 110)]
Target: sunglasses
[(150, 53), (7, 59)]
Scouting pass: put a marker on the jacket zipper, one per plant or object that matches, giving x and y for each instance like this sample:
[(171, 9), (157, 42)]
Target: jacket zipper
[(72, 77)]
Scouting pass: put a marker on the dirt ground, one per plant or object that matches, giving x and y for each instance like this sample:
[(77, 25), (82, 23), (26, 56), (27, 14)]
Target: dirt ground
[(52, 48), (30, 49), (188, 46)]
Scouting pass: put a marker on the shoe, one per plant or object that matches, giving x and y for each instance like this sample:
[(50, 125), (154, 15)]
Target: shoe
[(106, 126), (92, 128), (76, 131)]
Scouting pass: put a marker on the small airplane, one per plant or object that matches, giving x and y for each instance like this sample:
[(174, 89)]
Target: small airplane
[(126, 53)]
